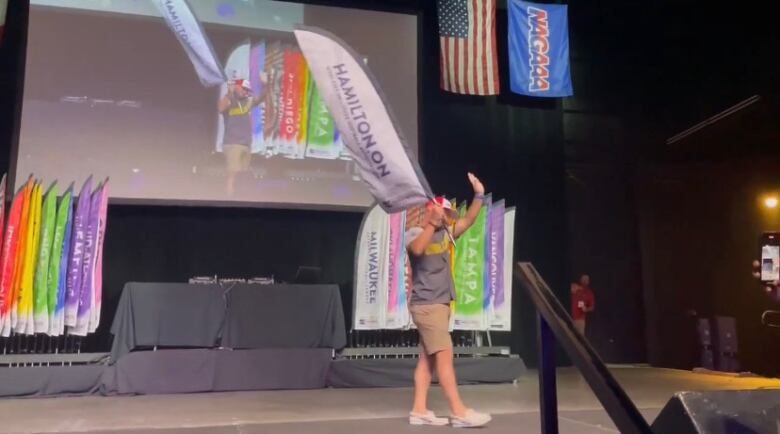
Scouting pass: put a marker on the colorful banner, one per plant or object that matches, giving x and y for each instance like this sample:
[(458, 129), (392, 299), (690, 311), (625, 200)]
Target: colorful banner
[(385, 163), (322, 130), (182, 21), (87, 293), (25, 320), (256, 65), (76, 260), (539, 49), (24, 223), (62, 289), (488, 295), (502, 306), (40, 288), (495, 259), (470, 276), (37, 260), (371, 277), (274, 71), (292, 132), (397, 316), (53, 276), (8, 261), (103, 219)]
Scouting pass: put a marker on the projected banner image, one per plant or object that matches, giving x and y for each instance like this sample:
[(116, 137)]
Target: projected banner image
[(207, 102), (289, 119)]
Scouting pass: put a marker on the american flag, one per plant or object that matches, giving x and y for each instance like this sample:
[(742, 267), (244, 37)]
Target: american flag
[(467, 34)]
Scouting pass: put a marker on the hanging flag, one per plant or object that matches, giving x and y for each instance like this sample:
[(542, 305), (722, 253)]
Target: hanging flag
[(539, 49), (470, 276), (40, 283), (321, 129), (87, 293), (502, 303), (374, 141), (76, 260), (495, 263), (182, 21), (467, 38), (62, 288), (101, 236), (25, 324), (24, 222), (371, 282), (294, 101), (256, 64), (8, 261), (397, 313), (487, 203), (55, 259), (274, 71)]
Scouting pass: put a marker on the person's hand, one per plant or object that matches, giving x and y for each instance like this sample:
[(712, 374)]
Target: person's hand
[(231, 89), (263, 77), (479, 189), (435, 216), (768, 286)]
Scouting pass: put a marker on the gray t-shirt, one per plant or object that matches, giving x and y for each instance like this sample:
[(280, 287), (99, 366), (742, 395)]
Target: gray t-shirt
[(238, 122), (432, 272)]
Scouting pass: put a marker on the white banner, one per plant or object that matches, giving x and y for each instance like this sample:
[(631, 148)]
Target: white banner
[(502, 310), (182, 21), (371, 273), (374, 141), (397, 316)]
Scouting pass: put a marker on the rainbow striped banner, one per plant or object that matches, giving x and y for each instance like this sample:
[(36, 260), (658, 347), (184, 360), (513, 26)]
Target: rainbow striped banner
[(52, 256)]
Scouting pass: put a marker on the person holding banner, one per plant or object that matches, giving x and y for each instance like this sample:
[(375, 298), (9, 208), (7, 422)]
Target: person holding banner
[(433, 289)]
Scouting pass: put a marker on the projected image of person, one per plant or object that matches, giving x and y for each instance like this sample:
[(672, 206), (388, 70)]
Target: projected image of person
[(236, 106)]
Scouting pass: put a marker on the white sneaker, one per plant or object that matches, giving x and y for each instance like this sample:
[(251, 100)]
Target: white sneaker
[(473, 419), (427, 419)]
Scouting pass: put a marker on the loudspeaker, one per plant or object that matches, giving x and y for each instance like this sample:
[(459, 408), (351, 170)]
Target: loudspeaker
[(726, 332), (727, 363), (707, 359), (721, 412), (705, 332)]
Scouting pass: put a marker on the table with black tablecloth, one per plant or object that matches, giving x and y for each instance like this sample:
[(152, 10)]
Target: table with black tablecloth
[(240, 316)]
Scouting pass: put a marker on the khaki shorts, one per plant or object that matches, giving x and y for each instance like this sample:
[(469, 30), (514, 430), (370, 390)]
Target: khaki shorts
[(238, 157), (433, 324)]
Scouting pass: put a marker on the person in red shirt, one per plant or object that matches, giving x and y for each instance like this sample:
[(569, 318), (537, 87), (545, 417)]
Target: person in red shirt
[(582, 302)]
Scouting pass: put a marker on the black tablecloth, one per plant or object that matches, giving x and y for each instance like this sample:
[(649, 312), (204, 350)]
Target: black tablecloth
[(245, 316)]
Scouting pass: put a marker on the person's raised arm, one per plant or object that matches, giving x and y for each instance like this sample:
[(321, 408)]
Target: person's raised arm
[(466, 221)]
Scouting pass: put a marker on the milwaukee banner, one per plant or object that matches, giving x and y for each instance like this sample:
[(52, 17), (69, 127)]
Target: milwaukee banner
[(371, 271)]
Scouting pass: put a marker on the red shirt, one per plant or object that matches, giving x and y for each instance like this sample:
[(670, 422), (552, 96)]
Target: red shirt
[(584, 295)]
